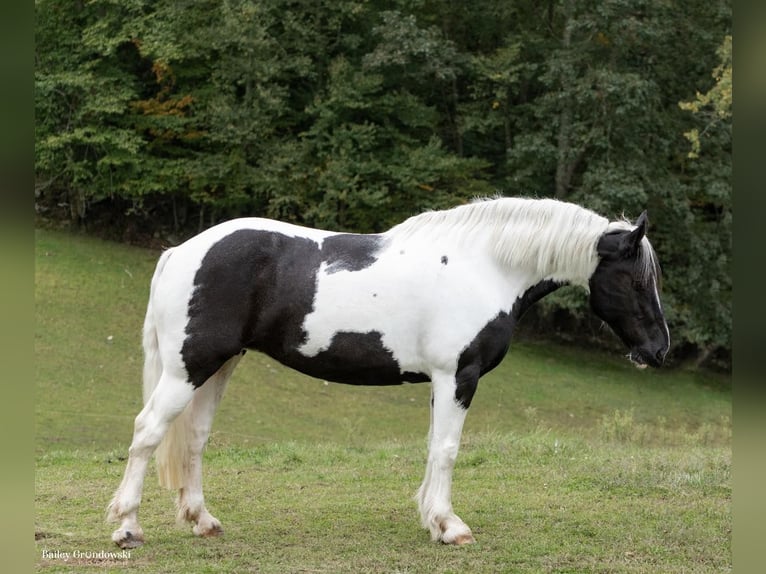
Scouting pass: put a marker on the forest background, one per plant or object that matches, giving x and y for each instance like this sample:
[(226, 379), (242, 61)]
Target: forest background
[(154, 120)]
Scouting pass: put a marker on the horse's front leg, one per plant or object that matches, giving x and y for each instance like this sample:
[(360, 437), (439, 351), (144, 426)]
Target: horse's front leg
[(435, 495)]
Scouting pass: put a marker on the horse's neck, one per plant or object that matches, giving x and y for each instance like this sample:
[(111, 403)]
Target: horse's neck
[(545, 239), (541, 263)]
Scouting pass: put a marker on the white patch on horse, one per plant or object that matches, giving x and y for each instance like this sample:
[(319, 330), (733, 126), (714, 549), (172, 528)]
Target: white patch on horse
[(408, 298)]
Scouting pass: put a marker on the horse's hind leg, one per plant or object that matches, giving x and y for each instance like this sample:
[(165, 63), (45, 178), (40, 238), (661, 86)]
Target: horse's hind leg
[(169, 398), (191, 502)]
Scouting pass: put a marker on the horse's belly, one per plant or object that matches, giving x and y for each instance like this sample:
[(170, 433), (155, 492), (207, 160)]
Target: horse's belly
[(353, 358)]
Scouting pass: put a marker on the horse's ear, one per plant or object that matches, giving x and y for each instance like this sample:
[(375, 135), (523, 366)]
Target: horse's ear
[(631, 241), (643, 222)]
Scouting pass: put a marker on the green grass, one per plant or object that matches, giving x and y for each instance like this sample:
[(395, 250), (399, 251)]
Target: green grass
[(571, 461), (536, 504)]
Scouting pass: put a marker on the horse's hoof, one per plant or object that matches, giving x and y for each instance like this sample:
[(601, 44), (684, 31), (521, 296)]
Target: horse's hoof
[(209, 531), (462, 539), (127, 539), (458, 535)]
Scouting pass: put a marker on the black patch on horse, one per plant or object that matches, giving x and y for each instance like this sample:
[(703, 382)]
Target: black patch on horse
[(350, 252), (356, 359), (254, 289), (491, 344)]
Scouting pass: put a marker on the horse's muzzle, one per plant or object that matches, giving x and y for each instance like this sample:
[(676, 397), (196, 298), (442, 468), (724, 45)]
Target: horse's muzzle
[(642, 358)]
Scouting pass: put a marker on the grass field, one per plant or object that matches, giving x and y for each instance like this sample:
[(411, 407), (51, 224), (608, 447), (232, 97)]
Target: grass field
[(571, 461)]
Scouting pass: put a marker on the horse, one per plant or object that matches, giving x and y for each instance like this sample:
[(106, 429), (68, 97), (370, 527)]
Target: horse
[(435, 298)]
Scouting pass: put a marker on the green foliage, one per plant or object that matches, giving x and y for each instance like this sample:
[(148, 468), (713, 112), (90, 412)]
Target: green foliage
[(714, 105), (353, 115)]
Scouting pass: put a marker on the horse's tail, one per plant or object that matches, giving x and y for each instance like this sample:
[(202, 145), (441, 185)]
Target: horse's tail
[(172, 453), (152, 360)]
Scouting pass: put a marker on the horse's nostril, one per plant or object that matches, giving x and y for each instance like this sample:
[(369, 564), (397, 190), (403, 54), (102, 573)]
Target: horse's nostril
[(661, 355)]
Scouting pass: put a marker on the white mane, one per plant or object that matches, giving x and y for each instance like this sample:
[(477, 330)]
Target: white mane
[(553, 239)]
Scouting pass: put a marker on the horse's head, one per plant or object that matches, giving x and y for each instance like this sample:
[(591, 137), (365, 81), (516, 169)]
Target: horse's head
[(624, 293)]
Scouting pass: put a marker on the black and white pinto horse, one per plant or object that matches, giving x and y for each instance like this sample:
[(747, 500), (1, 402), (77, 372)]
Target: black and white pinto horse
[(435, 298)]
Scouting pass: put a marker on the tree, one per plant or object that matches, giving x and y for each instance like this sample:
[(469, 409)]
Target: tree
[(169, 116), (84, 143), (705, 319), (714, 106)]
